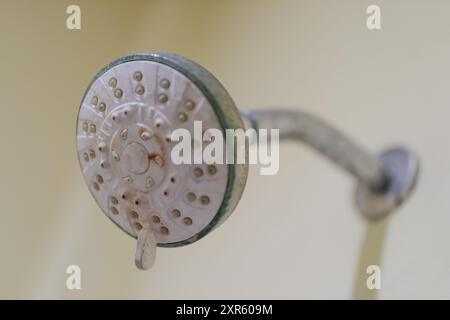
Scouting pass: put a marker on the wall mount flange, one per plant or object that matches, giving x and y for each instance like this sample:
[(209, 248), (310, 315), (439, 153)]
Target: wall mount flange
[(402, 169)]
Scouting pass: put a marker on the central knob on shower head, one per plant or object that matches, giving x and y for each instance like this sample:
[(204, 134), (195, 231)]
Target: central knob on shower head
[(136, 158), (137, 148)]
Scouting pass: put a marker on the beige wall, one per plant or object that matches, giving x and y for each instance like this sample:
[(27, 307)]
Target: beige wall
[(294, 235)]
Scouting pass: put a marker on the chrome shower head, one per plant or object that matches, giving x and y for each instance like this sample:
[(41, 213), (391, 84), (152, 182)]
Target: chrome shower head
[(124, 138)]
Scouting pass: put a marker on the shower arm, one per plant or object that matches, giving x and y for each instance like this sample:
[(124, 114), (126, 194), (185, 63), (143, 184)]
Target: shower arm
[(383, 182)]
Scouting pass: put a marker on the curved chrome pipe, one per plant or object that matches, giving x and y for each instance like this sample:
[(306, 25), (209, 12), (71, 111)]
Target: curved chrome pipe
[(384, 181), (297, 125)]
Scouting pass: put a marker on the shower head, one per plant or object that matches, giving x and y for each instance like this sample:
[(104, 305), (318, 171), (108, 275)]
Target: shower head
[(124, 128), (124, 139)]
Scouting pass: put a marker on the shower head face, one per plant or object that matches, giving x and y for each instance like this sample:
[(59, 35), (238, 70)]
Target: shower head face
[(124, 129)]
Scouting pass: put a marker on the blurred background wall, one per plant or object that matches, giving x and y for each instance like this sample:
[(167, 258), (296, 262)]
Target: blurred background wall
[(293, 235)]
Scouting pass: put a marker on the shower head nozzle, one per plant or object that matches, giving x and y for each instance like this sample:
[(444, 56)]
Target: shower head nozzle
[(124, 128)]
